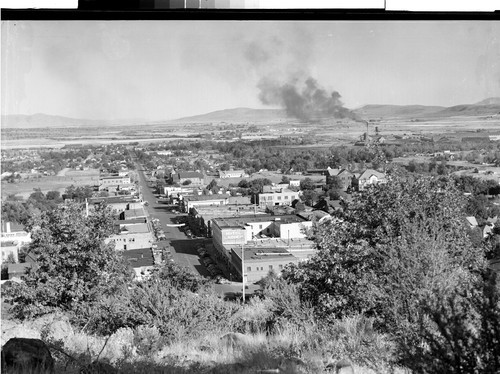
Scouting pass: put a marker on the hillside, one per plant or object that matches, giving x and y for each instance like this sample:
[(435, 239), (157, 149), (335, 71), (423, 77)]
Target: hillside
[(489, 101), (396, 111), (487, 107), (469, 110), (238, 115)]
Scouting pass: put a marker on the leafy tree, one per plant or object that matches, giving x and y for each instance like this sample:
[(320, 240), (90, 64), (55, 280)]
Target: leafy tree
[(187, 182), (334, 182), (306, 184), (400, 253), (74, 266)]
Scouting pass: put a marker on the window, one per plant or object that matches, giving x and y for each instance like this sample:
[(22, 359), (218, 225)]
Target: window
[(281, 267), (249, 268), (279, 197), (270, 267), (260, 227), (286, 197)]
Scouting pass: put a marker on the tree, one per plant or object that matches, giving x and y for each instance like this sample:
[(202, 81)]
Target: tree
[(187, 182), (334, 183), (306, 184), (74, 266), (400, 253)]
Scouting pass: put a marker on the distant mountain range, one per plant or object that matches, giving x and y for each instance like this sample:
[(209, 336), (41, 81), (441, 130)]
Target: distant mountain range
[(238, 115), (487, 107), (41, 120)]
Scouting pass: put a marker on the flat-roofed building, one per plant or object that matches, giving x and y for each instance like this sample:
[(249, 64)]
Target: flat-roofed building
[(113, 181), (230, 231), (279, 197), (189, 202), (258, 262), (223, 174), (204, 215), (129, 236), (16, 232), (141, 260)]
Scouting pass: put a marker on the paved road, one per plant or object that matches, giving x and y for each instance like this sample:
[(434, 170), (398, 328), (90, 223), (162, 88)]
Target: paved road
[(183, 249)]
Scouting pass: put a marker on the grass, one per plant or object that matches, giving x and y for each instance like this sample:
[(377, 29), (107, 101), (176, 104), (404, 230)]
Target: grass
[(291, 349)]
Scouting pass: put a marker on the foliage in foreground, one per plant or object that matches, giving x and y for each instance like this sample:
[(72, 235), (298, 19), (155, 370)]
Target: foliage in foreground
[(74, 266), (401, 255)]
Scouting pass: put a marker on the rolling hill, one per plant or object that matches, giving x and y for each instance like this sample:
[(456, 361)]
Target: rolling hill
[(238, 115), (487, 107)]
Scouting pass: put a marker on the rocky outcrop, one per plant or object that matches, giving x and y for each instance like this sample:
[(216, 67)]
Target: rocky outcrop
[(26, 356)]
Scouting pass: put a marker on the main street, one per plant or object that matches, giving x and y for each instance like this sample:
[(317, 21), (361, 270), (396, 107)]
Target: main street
[(183, 249)]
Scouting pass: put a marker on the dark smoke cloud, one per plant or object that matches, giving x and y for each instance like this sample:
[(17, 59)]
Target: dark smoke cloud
[(304, 101)]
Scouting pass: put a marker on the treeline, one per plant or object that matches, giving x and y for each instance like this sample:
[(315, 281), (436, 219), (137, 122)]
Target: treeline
[(15, 209)]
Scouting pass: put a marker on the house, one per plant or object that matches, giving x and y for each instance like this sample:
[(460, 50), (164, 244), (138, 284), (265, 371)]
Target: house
[(12, 231), (279, 197), (141, 260), (10, 251), (370, 177), (223, 174), (188, 177)]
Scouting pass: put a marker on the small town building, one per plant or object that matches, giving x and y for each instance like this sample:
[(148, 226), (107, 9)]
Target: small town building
[(258, 262), (223, 174), (370, 177), (192, 177), (281, 196), (141, 260)]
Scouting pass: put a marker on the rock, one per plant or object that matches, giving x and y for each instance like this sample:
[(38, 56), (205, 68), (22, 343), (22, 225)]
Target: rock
[(98, 367), (12, 329), (59, 330), (234, 338), (27, 356), (19, 331)]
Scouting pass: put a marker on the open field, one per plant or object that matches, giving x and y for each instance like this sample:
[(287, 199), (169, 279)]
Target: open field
[(331, 131), (53, 183)]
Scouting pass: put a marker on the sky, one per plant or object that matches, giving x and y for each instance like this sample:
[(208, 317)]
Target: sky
[(160, 70)]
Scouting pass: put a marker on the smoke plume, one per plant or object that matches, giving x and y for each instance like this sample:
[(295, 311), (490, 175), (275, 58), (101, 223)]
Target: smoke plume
[(303, 100)]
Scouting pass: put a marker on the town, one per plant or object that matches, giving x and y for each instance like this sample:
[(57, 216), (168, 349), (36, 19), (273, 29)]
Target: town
[(246, 196), (190, 204)]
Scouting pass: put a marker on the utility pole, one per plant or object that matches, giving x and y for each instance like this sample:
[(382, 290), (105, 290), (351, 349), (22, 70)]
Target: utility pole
[(243, 270)]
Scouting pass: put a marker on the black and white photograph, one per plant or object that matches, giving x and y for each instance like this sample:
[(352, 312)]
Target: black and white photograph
[(250, 196)]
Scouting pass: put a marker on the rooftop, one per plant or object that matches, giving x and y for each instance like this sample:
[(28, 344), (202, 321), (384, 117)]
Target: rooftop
[(111, 200), (206, 197), (13, 226), (137, 228), (139, 257), (8, 244), (264, 254), (244, 220)]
